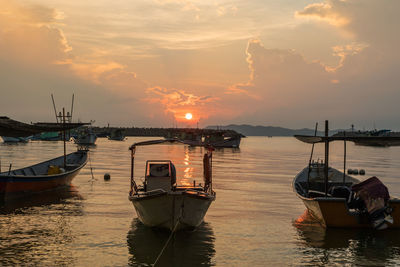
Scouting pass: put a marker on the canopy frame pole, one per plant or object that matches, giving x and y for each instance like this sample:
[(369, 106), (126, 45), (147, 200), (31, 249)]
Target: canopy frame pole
[(65, 147), (344, 160), (326, 157), (309, 162), (133, 183)]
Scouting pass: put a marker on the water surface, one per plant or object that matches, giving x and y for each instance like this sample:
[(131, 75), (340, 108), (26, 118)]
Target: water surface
[(256, 219)]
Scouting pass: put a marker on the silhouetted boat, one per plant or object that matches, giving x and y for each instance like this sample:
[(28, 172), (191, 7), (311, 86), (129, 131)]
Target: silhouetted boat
[(48, 175), (339, 200), (214, 139), (160, 202), (372, 138)]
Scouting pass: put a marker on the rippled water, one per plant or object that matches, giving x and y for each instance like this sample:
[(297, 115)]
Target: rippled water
[(253, 222)]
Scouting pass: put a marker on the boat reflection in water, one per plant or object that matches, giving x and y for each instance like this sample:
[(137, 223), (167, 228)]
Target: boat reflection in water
[(187, 248), (37, 231), (361, 247)]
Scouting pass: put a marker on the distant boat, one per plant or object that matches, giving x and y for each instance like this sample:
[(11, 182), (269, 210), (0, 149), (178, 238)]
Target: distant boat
[(9, 139), (338, 200), (117, 135), (160, 202), (383, 137), (85, 137), (48, 136), (214, 139), (48, 175)]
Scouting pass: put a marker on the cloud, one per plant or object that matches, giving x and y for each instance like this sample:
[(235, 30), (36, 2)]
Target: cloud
[(324, 11), (178, 102), (29, 35)]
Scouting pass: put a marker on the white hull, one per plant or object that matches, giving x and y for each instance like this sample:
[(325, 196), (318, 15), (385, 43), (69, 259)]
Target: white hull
[(173, 209)]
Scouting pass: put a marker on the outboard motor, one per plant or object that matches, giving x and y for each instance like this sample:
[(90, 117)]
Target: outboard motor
[(375, 196)]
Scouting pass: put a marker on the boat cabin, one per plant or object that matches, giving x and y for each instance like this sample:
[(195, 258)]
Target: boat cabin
[(160, 174)]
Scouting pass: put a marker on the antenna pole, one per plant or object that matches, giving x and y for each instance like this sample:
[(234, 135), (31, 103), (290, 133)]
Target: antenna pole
[(54, 106)]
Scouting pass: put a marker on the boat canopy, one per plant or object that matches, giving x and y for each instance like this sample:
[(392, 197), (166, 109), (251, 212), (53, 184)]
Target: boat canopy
[(154, 142), (310, 139), (12, 128)]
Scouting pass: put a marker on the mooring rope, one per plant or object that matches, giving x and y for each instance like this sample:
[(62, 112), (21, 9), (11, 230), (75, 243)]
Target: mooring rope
[(171, 235), (166, 244), (91, 169)]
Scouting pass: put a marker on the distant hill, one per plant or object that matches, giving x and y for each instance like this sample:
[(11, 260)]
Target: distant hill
[(250, 130)]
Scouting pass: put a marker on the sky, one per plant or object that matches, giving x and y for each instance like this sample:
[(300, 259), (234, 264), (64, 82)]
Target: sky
[(146, 63)]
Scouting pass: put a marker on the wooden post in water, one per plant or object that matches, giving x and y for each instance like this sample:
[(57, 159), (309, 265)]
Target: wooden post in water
[(326, 157)]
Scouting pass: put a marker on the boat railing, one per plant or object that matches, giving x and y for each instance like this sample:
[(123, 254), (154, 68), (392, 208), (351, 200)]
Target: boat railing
[(151, 192)]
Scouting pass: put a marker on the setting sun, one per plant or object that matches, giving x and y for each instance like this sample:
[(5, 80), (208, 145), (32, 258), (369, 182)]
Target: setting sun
[(188, 116)]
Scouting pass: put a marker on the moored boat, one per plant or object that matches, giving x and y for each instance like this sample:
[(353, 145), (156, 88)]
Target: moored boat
[(339, 200), (48, 175), (10, 139), (161, 202), (117, 135), (85, 137)]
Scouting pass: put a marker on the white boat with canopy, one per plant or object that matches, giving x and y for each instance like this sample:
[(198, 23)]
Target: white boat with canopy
[(161, 202)]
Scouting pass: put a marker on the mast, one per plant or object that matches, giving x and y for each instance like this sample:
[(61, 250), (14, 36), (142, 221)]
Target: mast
[(54, 106), (326, 157), (72, 108)]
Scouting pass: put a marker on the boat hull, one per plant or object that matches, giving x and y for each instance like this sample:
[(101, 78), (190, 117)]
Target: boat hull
[(173, 210), (31, 180), (89, 139), (333, 213)]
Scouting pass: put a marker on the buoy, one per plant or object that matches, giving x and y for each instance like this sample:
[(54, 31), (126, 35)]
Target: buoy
[(350, 171), (107, 177), (355, 171), (362, 172)]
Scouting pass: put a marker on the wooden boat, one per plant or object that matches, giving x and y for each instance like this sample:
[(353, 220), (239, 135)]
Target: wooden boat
[(339, 200), (48, 175), (161, 202)]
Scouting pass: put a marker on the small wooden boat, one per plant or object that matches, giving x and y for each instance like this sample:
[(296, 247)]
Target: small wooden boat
[(161, 202), (48, 175), (339, 200)]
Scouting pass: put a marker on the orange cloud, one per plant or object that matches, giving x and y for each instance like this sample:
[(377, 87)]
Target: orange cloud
[(178, 102)]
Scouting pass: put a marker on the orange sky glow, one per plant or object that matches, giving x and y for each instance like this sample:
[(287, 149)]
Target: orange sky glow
[(284, 63)]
